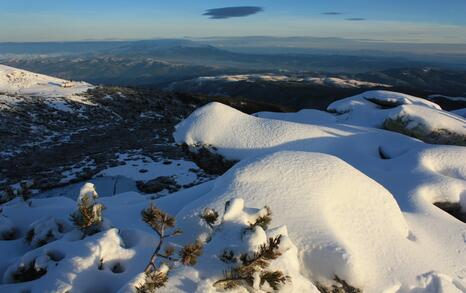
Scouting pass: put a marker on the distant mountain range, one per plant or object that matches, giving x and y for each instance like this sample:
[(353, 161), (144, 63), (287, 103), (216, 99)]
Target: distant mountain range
[(208, 66)]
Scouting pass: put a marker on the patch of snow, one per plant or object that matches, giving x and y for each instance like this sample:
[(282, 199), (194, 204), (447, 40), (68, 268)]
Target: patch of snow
[(21, 82), (25, 85), (144, 168)]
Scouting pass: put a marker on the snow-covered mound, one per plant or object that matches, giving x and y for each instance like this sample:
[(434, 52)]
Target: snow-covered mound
[(381, 236), (21, 82), (402, 113), (373, 107)]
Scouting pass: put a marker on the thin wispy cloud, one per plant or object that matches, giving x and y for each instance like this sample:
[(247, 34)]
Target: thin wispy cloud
[(332, 13), (227, 12), (355, 19)]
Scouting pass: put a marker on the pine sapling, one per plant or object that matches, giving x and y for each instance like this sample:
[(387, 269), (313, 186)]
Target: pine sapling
[(88, 217), (154, 280), (164, 225), (190, 253), (210, 216), (255, 266), (252, 270), (263, 220), (24, 191)]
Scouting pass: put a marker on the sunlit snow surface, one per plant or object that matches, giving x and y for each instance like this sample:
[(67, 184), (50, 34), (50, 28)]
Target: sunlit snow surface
[(350, 199), (24, 85)]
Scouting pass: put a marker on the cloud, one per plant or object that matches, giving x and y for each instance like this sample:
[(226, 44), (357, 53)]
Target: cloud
[(227, 12), (332, 13), (355, 19)]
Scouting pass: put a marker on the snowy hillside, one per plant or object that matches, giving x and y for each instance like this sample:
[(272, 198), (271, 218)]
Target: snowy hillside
[(19, 86), (329, 81), (21, 82), (349, 200), (214, 82)]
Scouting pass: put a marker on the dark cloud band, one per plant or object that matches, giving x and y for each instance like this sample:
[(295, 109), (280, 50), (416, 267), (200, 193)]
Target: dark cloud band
[(355, 19), (227, 12), (332, 13)]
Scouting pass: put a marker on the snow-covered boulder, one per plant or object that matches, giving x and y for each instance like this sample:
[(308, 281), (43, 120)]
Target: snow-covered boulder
[(402, 113), (429, 125)]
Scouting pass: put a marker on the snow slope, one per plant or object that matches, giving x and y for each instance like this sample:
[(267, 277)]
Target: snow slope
[(17, 81), (20, 86)]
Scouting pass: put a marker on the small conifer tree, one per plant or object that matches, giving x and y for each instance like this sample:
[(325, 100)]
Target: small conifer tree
[(255, 267), (210, 216), (264, 219), (88, 217), (252, 271), (156, 276), (25, 192)]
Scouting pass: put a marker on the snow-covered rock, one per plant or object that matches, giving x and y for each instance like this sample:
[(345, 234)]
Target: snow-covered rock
[(402, 113)]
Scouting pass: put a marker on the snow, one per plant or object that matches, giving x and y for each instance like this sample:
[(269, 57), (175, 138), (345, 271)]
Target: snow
[(363, 101), (324, 81), (419, 117), (152, 169), (347, 198), (375, 108), (16, 81), (321, 81), (335, 194), (24, 85)]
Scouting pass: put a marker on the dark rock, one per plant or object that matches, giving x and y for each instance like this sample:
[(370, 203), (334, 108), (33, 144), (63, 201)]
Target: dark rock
[(209, 161), (159, 184)]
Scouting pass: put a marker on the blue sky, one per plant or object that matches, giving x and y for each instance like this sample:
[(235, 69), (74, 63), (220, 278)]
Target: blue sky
[(395, 20)]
